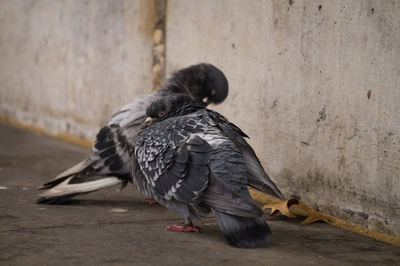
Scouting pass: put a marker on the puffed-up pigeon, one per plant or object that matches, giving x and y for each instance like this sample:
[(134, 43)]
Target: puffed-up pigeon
[(193, 161), (108, 162)]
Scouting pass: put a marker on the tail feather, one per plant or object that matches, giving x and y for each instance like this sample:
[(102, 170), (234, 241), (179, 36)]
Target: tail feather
[(56, 200), (244, 232), (67, 173), (65, 190)]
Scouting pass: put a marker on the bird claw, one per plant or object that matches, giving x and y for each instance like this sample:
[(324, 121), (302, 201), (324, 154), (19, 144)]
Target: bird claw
[(184, 228), (150, 201)]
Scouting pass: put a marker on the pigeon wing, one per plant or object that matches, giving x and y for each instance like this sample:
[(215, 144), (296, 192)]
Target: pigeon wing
[(173, 159), (113, 146), (257, 178)]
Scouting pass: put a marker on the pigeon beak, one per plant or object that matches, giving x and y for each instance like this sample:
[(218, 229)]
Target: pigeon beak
[(148, 120)]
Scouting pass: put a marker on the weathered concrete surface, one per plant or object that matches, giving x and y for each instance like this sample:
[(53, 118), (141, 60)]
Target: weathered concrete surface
[(316, 86), (111, 228), (67, 65)]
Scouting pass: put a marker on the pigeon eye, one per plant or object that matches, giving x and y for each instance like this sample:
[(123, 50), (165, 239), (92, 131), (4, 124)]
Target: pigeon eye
[(161, 113)]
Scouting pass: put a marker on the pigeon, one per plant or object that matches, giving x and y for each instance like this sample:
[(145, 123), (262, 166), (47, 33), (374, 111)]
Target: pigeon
[(108, 162), (192, 160)]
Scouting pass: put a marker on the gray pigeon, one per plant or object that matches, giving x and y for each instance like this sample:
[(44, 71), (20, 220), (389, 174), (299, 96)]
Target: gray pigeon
[(194, 161), (108, 162)]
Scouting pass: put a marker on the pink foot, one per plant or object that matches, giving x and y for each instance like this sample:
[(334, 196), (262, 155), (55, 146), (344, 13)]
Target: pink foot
[(150, 201), (185, 228)]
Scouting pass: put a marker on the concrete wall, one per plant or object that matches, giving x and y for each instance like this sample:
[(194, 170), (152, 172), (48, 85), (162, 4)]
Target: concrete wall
[(316, 85), (67, 65)]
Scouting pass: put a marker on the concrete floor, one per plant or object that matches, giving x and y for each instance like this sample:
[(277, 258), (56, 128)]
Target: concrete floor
[(118, 228)]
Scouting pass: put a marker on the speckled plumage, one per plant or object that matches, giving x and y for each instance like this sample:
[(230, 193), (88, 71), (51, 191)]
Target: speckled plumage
[(109, 160), (195, 162)]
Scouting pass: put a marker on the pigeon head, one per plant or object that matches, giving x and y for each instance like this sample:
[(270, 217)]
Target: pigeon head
[(172, 105), (203, 82)]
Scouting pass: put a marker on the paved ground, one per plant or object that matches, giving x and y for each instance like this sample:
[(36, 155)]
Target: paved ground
[(118, 228)]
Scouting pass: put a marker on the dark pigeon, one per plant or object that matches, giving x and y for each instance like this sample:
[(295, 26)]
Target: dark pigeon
[(108, 163), (194, 161)]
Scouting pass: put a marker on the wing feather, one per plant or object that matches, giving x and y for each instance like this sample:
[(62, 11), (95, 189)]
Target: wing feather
[(257, 177), (181, 157)]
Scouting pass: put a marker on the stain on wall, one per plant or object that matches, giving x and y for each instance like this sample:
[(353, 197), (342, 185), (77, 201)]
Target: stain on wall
[(68, 65)]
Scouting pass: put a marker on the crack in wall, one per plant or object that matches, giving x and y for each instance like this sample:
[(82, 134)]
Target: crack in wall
[(159, 35)]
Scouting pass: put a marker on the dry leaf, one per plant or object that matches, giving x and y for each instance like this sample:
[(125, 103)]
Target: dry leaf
[(282, 207), (274, 203), (262, 197), (311, 215), (290, 208)]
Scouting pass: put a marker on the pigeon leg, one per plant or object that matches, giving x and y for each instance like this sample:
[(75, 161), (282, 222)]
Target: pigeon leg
[(150, 201), (187, 227)]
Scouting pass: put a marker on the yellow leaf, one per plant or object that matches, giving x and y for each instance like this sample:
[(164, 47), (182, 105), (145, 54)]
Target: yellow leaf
[(282, 207), (291, 208), (262, 197), (311, 215)]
